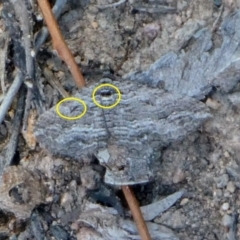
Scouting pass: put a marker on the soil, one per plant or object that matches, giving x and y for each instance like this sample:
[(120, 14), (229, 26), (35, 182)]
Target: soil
[(115, 42)]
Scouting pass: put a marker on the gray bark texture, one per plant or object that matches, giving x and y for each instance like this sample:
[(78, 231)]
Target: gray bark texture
[(203, 65)]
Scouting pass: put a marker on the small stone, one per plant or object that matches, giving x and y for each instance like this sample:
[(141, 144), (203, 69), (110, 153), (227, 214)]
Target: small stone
[(178, 20), (226, 220), (222, 181), (59, 232), (231, 187), (226, 154), (179, 176), (66, 201), (74, 226), (211, 103), (176, 219), (210, 166), (94, 25), (73, 184), (225, 206), (226, 194), (89, 177), (78, 59), (184, 201), (88, 234), (217, 193), (49, 199)]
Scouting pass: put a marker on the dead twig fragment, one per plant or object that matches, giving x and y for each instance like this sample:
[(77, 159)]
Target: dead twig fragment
[(216, 22), (136, 212), (4, 41), (59, 43), (23, 16), (112, 5), (54, 82), (43, 33), (16, 126), (155, 9), (152, 210), (10, 95)]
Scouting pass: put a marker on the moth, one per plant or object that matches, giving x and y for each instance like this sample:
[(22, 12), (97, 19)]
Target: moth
[(127, 139)]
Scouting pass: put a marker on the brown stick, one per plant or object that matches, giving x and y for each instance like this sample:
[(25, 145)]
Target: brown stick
[(136, 212), (59, 43)]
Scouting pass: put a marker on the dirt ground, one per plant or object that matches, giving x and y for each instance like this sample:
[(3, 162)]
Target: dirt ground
[(114, 42)]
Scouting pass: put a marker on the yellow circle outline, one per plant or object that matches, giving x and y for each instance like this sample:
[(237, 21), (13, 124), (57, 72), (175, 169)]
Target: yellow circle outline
[(71, 99), (106, 85)]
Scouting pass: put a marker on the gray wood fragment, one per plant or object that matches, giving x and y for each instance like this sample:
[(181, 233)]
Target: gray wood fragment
[(37, 227), (10, 95), (25, 23), (59, 233), (203, 66), (154, 209), (110, 226), (13, 141), (4, 41)]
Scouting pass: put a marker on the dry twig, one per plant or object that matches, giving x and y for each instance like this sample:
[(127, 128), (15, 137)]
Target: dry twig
[(112, 5), (16, 126), (10, 95), (136, 212), (43, 33), (59, 43), (54, 82), (4, 41)]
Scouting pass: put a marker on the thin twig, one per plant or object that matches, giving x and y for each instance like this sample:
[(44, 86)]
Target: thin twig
[(26, 26), (43, 33), (4, 41), (156, 9), (136, 212), (216, 22), (59, 43), (27, 104), (54, 82), (112, 5), (10, 95), (22, 14), (16, 126)]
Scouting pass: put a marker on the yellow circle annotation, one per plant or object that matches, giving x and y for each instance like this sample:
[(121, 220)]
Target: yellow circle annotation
[(71, 99), (106, 85)]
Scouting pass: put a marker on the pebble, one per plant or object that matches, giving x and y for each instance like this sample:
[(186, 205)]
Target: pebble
[(222, 181), (94, 25), (184, 201), (226, 220), (225, 206), (74, 226), (87, 234), (60, 213), (226, 154), (231, 187), (179, 176), (89, 177), (217, 193), (176, 219), (49, 199), (211, 103), (59, 232), (66, 199)]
